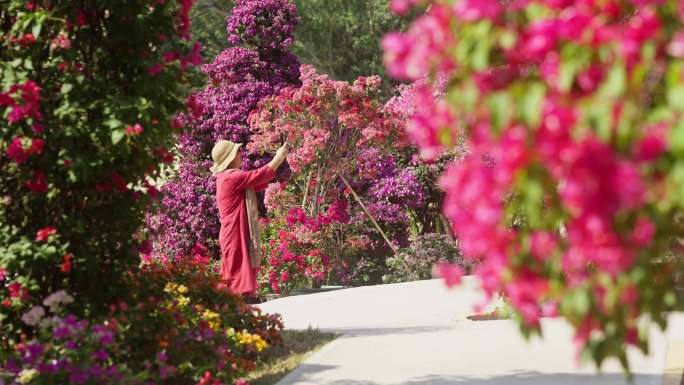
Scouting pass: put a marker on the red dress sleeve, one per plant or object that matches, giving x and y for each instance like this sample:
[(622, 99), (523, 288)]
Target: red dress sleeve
[(256, 178)]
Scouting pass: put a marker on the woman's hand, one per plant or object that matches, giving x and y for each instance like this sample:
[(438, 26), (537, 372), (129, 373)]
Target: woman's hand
[(279, 157), (283, 151)]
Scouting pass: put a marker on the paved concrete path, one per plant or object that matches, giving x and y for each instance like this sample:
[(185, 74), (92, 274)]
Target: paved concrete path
[(416, 333)]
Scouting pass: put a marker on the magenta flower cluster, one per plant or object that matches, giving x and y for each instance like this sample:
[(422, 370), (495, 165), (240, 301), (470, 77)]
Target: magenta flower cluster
[(79, 352), (264, 24), (257, 66)]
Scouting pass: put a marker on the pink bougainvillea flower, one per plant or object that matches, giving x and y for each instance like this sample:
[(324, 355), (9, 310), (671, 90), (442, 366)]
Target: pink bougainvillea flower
[(37, 128), (473, 10), (119, 182), (543, 245), (676, 46), (44, 233), (6, 99), (643, 232), (18, 152), (81, 18), (27, 40), (16, 290), (431, 126), (653, 144), (61, 41), (155, 69), (401, 7), (449, 272), (423, 47), (3, 274), (65, 266), (39, 183), (15, 151), (135, 129), (36, 146)]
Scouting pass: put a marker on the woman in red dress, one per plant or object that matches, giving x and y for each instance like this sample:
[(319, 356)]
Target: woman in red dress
[(240, 252)]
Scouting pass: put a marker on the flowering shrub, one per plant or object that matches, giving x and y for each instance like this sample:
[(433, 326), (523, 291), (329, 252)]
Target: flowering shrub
[(321, 116), (181, 328), (256, 66), (87, 91), (424, 253), (571, 113), (341, 134), (297, 247)]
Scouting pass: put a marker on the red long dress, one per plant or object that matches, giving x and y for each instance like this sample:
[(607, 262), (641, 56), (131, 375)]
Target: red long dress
[(236, 269)]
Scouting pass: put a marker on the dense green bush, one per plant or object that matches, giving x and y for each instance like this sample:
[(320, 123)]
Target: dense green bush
[(87, 95)]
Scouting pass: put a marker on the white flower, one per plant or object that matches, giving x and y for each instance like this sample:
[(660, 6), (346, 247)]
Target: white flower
[(33, 316), (54, 300), (26, 376)]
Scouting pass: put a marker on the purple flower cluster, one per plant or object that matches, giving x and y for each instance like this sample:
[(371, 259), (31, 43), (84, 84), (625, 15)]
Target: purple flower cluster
[(265, 24), (393, 191), (256, 67), (375, 164), (187, 212), (400, 188), (76, 351)]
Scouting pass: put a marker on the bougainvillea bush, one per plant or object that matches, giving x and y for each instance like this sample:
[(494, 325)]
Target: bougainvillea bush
[(297, 248), (182, 327), (418, 261), (258, 64), (342, 140), (87, 93), (571, 111)]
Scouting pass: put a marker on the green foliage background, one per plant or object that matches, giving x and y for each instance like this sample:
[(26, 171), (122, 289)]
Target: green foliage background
[(340, 38)]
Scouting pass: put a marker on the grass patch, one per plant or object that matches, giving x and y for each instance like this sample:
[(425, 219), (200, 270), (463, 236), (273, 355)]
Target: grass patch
[(278, 361)]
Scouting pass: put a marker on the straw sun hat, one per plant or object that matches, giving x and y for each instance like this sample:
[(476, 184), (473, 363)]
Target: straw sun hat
[(223, 153)]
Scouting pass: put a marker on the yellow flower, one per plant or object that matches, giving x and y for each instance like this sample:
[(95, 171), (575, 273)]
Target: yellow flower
[(209, 315), (27, 375), (244, 338), (212, 318), (230, 332), (183, 300), (170, 287), (182, 289), (259, 342)]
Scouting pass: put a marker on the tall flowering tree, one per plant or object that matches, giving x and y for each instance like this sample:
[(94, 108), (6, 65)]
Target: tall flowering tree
[(572, 114), (258, 64), (87, 90), (327, 122)]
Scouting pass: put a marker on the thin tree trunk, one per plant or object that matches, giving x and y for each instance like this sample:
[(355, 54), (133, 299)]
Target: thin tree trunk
[(306, 190), (372, 219), (317, 192)]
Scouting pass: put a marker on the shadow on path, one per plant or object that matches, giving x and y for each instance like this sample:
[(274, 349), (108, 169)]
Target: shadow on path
[(521, 378), (386, 331)]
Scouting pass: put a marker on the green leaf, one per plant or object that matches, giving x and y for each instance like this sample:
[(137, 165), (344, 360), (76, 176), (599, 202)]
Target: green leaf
[(532, 103), (534, 194), (677, 138), (36, 29), (117, 135), (113, 123), (66, 88), (614, 85), (499, 105), (675, 97), (568, 70)]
